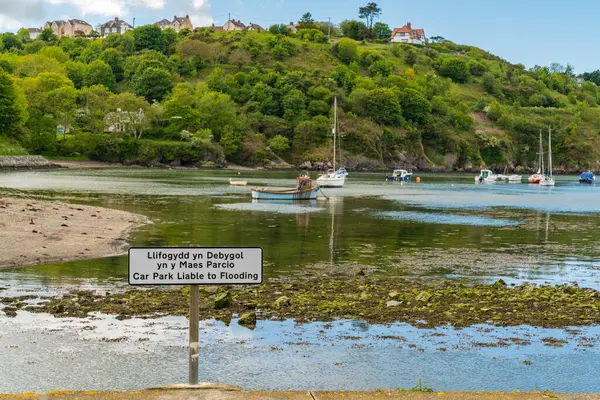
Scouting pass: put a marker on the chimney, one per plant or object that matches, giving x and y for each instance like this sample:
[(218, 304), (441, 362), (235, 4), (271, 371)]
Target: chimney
[(117, 19), (187, 16), (175, 17), (409, 25)]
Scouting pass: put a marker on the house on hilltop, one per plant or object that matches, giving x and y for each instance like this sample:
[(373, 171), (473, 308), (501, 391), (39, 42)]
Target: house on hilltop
[(34, 32), (178, 23), (407, 34), (69, 28), (112, 27), (233, 25), (255, 27)]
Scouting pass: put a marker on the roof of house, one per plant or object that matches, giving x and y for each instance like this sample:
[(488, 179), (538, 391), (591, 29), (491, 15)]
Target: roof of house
[(115, 22), (78, 21), (35, 30), (414, 33), (59, 22), (236, 23), (163, 22), (181, 19), (255, 27)]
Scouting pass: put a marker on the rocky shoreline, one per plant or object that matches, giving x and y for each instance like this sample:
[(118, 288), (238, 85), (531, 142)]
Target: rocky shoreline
[(25, 162)]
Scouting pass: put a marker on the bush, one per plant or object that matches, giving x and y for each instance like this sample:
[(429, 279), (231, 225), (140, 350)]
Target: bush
[(455, 69), (415, 107), (279, 144), (382, 105), (476, 68), (346, 50)]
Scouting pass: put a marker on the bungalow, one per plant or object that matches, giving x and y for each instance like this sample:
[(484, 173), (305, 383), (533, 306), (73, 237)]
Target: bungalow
[(115, 26), (69, 28), (233, 25), (34, 32), (255, 27), (407, 34)]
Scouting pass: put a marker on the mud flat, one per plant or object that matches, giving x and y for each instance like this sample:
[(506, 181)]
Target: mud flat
[(36, 232)]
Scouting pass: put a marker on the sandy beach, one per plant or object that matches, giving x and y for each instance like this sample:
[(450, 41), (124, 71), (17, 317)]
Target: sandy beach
[(36, 232)]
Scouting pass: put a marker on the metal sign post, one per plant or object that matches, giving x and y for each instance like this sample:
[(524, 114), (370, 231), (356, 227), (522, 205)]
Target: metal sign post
[(195, 266)]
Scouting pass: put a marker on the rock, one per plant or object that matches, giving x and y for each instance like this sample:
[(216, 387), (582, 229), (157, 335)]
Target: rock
[(393, 303), (223, 300), (500, 282), (360, 272), (393, 294), (424, 296), (211, 289), (248, 319), (283, 301)]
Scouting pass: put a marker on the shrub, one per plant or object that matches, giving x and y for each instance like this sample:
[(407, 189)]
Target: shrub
[(455, 69)]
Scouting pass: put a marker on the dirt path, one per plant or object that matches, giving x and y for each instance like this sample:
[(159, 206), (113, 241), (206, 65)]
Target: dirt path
[(36, 232)]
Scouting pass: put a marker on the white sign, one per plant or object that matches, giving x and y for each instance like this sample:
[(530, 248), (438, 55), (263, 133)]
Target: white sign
[(195, 266)]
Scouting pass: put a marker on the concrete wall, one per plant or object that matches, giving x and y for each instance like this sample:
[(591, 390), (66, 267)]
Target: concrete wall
[(13, 162)]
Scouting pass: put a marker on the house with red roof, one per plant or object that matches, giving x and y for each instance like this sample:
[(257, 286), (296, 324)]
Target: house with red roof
[(407, 34)]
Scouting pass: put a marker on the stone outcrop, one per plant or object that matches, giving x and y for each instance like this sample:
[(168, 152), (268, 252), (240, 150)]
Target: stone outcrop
[(25, 162)]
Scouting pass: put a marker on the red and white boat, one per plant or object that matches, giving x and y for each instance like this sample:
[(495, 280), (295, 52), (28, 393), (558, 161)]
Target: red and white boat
[(537, 178)]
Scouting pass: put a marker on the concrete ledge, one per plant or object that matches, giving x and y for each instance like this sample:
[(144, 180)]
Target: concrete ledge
[(201, 386)]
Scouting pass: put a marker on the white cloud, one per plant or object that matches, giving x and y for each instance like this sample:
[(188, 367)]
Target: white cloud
[(8, 23)]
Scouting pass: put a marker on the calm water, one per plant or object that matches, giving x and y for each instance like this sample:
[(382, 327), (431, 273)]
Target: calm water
[(444, 227)]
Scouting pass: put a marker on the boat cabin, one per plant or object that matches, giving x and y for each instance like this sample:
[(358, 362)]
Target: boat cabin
[(304, 183)]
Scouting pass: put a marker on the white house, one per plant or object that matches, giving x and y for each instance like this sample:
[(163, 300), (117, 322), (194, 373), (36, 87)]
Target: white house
[(123, 121), (233, 25), (407, 34), (34, 32)]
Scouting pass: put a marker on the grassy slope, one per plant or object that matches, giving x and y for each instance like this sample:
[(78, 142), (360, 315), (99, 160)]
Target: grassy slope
[(9, 147)]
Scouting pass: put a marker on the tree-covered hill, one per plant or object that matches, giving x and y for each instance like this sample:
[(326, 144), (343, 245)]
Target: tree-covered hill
[(260, 98)]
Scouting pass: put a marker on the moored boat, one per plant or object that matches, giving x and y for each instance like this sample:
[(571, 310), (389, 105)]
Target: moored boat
[(514, 178), (400, 175), (587, 178), (537, 177), (548, 180), (237, 183), (304, 191), (333, 178), (486, 176)]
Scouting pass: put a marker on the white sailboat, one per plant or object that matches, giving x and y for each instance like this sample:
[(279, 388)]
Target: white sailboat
[(333, 178), (548, 180), (536, 178)]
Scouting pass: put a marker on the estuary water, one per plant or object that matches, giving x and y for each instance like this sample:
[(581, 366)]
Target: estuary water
[(445, 227)]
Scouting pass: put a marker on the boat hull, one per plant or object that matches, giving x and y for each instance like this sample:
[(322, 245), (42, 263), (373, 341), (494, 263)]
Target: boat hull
[(586, 181), (332, 181), (399, 178), (288, 195)]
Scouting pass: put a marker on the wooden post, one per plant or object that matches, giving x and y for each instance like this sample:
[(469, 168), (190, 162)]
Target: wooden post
[(194, 333)]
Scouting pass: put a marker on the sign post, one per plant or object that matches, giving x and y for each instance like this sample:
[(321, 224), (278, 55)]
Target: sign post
[(195, 266)]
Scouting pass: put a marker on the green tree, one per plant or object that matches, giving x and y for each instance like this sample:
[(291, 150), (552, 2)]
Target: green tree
[(48, 35), (279, 144), (355, 30), (415, 106), (76, 72), (139, 114), (114, 58), (369, 13), (382, 30), (476, 68), (149, 37), (218, 113), (100, 73), (10, 41), (9, 110), (382, 105), (93, 103), (455, 69), (152, 83), (411, 57), (24, 35), (280, 29), (346, 50), (294, 106), (307, 22)]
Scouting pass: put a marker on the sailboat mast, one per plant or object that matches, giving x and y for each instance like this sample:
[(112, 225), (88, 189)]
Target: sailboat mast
[(550, 150), (334, 130), (541, 153)]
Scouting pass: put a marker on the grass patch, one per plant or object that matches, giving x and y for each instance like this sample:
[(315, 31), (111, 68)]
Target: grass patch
[(9, 147)]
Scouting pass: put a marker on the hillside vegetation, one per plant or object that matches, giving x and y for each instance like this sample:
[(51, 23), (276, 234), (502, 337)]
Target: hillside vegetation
[(262, 99)]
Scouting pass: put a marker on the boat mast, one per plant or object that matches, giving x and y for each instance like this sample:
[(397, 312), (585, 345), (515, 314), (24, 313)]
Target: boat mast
[(334, 129), (541, 154), (550, 151)]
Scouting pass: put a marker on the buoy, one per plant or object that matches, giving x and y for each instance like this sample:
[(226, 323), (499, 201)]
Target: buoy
[(418, 180)]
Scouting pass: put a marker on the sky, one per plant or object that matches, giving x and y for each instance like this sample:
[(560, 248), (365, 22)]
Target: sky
[(531, 32)]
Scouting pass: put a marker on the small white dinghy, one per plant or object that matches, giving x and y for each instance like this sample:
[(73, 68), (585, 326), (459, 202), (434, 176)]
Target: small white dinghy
[(237, 183)]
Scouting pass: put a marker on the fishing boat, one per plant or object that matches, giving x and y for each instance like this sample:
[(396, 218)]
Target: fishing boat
[(587, 177), (400, 175), (511, 178), (486, 176), (333, 178), (304, 190), (537, 177), (237, 183), (548, 180)]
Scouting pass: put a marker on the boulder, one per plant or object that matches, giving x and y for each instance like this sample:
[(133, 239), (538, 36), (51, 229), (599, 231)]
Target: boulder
[(223, 300), (393, 303), (248, 319), (283, 301), (424, 296), (393, 294)]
